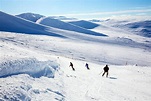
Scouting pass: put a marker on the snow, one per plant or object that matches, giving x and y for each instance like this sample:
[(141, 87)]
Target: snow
[(29, 66), (35, 67), (19, 25), (30, 16), (48, 21), (142, 28), (84, 24), (63, 18), (124, 83)]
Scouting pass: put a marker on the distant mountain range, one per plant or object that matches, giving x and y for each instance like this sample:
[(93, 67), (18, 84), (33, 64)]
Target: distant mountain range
[(48, 21), (44, 25), (36, 23), (142, 28), (10, 23)]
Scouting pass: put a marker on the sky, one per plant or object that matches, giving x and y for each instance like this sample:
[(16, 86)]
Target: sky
[(81, 9)]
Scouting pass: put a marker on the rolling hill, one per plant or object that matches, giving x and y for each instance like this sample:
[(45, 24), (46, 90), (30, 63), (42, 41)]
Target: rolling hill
[(19, 25), (85, 24), (48, 21)]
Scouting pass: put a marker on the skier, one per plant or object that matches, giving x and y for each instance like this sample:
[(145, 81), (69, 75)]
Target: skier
[(71, 65), (87, 66), (106, 69)]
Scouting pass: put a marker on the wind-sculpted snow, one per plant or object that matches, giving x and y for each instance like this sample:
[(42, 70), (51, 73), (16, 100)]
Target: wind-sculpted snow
[(32, 67), (9, 23), (14, 92), (66, 26)]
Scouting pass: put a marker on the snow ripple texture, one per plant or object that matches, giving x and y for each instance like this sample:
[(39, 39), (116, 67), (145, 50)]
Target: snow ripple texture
[(31, 67)]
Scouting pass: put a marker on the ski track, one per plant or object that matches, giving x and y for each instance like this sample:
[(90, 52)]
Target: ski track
[(127, 83), (36, 67)]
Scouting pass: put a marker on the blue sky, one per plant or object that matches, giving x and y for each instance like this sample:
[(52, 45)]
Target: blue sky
[(82, 9)]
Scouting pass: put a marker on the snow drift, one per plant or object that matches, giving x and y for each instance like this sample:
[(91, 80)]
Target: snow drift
[(32, 67)]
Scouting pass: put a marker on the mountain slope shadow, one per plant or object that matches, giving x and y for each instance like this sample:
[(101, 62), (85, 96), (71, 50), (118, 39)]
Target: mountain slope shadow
[(85, 24), (48, 21), (11, 23)]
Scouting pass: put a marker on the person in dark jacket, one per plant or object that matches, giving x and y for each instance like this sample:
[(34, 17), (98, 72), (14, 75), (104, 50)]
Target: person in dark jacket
[(87, 66), (71, 65), (106, 69)]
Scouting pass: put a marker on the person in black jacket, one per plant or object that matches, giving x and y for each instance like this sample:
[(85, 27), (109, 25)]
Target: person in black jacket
[(87, 66), (106, 69), (71, 65)]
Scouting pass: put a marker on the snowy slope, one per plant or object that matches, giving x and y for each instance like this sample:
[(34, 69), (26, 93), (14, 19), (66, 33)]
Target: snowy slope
[(66, 26), (30, 16), (11, 23), (84, 24), (15, 24), (119, 28), (142, 28), (36, 68), (138, 27)]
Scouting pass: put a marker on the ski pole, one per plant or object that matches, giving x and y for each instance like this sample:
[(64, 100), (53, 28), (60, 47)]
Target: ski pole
[(101, 73)]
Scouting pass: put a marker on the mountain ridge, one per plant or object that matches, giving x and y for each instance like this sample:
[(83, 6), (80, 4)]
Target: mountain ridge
[(30, 16)]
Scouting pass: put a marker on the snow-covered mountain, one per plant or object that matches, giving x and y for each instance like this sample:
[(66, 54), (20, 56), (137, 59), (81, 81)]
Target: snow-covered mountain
[(142, 28), (25, 26), (34, 65), (85, 24), (11, 23), (66, 26), (139, 27), (30, 16)]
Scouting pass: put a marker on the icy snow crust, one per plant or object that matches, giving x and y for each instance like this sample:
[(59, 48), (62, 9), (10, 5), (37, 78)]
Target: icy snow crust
[(32, 67)]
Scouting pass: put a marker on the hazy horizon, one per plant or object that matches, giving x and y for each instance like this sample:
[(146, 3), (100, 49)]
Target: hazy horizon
[(81, 9)]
